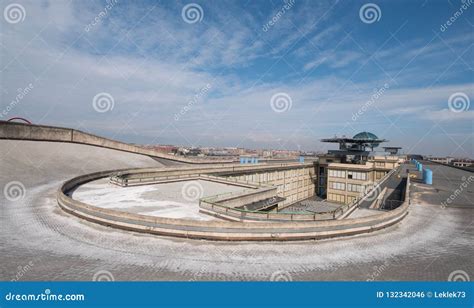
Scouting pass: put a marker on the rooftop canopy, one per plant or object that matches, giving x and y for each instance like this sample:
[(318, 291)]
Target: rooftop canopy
[(357, 143)]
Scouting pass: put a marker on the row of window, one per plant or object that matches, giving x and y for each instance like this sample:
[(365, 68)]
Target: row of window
[(337, 198), (337, 173), (355, 187), (350, 186), (357, 175), (350, 174), (337, 185)]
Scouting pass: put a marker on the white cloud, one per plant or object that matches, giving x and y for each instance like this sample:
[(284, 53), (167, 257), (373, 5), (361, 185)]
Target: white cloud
[(153, 68)]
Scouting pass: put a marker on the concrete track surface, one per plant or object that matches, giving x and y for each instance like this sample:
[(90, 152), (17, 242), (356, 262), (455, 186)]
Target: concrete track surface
[(38, 241)]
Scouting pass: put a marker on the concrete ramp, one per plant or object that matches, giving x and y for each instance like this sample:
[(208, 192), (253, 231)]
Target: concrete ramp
[(20, 131)]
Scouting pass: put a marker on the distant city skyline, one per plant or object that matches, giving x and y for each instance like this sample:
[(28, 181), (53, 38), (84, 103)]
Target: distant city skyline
[(252, 74)]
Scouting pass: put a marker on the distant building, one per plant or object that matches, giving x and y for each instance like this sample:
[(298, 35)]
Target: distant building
[(462, 162), (441, 160)]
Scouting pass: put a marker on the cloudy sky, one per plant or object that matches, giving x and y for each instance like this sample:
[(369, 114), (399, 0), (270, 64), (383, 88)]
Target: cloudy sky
[(257, 74)]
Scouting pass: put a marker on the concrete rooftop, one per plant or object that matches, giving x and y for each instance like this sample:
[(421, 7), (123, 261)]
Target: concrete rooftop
[(429, 244)]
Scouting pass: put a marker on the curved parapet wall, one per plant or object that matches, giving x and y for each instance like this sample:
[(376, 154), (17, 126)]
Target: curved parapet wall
[(20, 131), (222, 230)]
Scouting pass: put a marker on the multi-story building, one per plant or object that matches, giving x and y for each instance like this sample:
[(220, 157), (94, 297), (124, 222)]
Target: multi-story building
[(345, 174), (346, 182)]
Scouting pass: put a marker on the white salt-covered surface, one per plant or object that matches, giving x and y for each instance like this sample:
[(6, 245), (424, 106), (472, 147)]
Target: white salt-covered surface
[(171, 200)]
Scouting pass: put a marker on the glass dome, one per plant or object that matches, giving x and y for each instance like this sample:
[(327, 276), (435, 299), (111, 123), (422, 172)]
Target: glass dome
[(365, 135)]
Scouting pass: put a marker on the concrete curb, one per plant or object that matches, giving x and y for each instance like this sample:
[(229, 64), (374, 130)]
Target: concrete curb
[(222, 230)]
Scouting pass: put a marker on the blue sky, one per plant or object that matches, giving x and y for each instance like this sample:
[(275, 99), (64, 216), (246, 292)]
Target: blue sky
[(404, 75)]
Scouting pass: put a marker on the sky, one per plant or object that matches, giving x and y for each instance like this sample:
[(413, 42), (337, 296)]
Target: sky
[(255, 74)]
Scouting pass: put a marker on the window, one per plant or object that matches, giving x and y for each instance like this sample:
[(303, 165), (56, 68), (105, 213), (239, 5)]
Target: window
[(337, 173), (337, 185), (357, 175), (336, 198), (355, 187)]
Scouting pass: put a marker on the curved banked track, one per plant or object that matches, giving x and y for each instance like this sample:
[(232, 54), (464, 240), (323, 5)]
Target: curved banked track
[(20, 131), (220, 230)]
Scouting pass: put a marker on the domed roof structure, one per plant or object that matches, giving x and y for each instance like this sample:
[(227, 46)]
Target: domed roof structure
[(365, 136), (358, 143)]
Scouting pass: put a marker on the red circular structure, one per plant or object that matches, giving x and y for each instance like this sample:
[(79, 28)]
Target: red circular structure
[(19, 118)]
